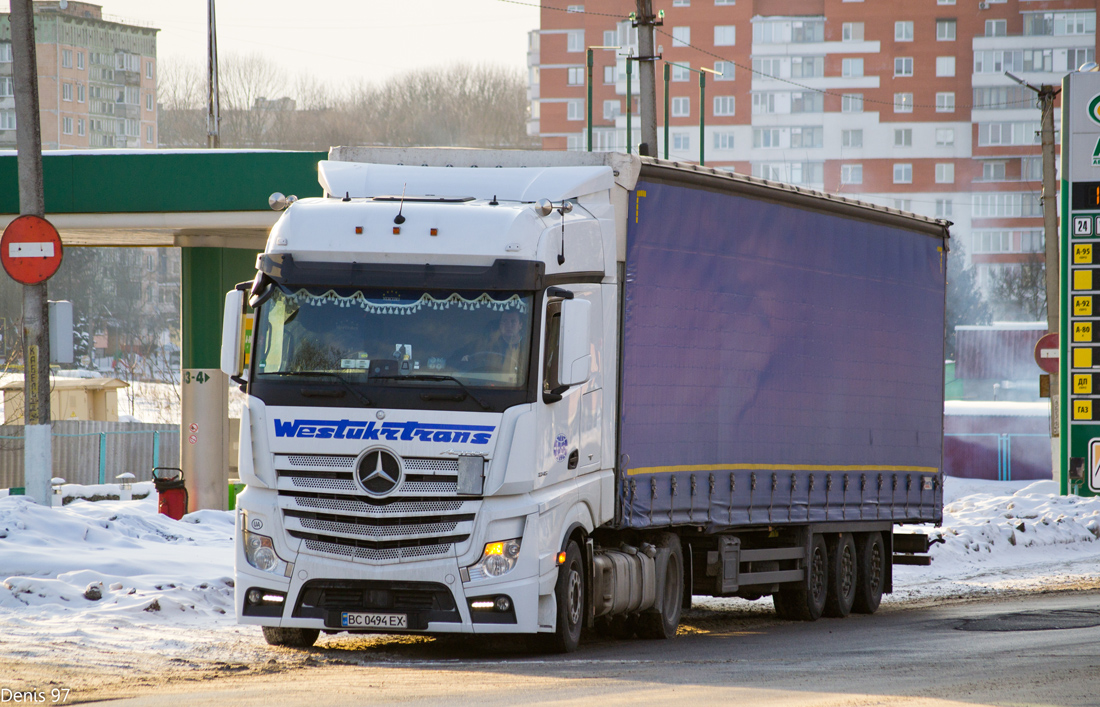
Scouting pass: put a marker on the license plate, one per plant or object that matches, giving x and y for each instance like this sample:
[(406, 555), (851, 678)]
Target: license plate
[(350, 619)]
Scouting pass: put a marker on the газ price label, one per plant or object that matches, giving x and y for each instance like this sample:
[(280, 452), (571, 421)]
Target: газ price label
[(30, 250)]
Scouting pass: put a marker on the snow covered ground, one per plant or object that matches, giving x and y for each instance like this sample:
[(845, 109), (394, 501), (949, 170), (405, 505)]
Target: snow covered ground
[(165, 587)]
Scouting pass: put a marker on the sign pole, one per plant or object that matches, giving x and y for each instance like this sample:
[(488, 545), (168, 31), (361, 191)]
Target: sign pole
[(37, 456)]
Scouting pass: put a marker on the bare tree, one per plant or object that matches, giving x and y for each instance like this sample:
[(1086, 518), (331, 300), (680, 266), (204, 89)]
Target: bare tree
[(1018, 293)]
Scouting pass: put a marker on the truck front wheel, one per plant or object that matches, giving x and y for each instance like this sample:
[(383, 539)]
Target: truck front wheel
[(662, 622), (569, 593), (291, 637)]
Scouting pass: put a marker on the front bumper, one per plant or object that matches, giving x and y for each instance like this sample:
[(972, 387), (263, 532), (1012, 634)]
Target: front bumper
[(430, 593)]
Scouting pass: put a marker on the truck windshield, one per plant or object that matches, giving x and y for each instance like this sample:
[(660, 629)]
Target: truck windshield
[(480, 338)]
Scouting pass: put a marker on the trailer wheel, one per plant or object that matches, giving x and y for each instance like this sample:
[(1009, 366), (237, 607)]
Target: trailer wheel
[(842, 576), (805, 600), (291, 637), (569, 593), (870, 573), (662, 622)]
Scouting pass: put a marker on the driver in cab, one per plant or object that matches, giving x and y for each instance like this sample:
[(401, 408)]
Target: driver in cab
[(503, 350)]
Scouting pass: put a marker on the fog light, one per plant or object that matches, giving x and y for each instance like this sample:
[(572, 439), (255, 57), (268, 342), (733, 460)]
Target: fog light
[(503, 604), (254, 596)]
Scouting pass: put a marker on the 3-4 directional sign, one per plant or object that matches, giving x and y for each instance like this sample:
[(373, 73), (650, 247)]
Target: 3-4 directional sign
[(30, 250)]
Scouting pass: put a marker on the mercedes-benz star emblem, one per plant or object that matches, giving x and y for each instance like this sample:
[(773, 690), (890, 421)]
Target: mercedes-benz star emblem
[(379, 472)]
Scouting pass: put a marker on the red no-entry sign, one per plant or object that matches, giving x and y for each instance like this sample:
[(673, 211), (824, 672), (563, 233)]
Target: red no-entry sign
[(1046, 353), (30, 250)]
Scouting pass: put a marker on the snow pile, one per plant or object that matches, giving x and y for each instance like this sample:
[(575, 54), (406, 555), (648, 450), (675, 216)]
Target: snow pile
[(114, 558), (1003, 536)]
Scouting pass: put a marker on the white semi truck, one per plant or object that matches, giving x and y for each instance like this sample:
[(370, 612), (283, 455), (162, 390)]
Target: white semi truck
[(527, 392)]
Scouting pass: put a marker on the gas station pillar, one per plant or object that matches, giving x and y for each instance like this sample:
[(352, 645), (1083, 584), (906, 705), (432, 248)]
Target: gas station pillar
[(207, 273)]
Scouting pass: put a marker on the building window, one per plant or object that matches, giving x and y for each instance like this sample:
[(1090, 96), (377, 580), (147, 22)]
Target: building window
[(612, 109), (7, 88), (67, 125), (903, 31), (851, 174), (903, 137), (725, 35), (575, 76), (945, 102), (945, 66), (727, 70), (723, 105), (903, 173), (903, 102), (725, 2), (574, 40), (851, 32), (903, 204), (681, 141), (1003, 97), (767, 68), (807, 67), (149, 134), (943, 208), (574, 8), (1006, 205), (766, 137), (1009, 133), (681, 107), (80, 93), (851, 138), (1060, 23), (609, 73), (1075, 58), (807, 102), (723, 141), (996, 28), (945, 2), (993, 171), (763, 103), (5, 52), (574, 110), (903, 66), (610, 37), (1038, 60), (1031, 168), (66, 92), (7, 120), (681, 36), (66, 58), (80, 126), (851, 103), (851, 68), (945, 30), (681, 72), (945, 137), (80, 61), (945, 173), (811, 136), (148, 101), (787, 31)]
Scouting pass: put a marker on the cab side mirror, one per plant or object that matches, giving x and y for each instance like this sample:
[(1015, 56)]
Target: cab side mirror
[(231, 333), (575, 354)]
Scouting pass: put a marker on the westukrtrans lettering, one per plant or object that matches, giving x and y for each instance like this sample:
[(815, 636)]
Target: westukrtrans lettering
[(391, 431)]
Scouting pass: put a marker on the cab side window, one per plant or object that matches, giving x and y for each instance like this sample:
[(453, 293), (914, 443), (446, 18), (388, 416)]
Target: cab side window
[(553, 331)]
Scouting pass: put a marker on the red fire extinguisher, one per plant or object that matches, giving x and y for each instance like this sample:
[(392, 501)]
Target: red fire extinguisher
[(172, 495)]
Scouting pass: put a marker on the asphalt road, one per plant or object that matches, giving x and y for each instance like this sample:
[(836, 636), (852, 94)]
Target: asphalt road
[(1031, 650)]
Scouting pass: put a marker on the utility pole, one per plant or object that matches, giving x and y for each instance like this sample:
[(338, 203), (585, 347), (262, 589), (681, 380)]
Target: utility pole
[(213, 139), (645, 21), (37, 433), (1046, 95)]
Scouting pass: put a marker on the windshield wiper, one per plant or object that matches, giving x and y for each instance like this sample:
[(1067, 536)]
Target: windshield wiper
[(436, 377), (362, 398)]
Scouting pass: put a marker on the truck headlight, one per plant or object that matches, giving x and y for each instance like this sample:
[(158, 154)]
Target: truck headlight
[(497, 559), (260, 553)]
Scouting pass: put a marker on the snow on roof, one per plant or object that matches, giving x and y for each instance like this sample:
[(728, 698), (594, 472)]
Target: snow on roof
[(1004, 326), (996, 408)]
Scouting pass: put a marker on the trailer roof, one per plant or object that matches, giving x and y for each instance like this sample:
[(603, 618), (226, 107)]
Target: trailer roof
[(723, 180)]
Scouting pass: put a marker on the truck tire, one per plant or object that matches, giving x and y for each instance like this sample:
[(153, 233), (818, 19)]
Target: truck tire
[(662, 621), (805, 600), (569, 594), (870, 572), (842, 576), (291, 637)]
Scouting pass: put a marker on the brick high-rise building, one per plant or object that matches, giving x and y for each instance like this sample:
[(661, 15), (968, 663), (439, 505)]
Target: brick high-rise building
[(97, 79), (905, 104)]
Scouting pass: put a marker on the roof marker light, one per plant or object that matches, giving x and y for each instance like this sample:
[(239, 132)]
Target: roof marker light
[(396, 230), (434, 231), (358, 230)]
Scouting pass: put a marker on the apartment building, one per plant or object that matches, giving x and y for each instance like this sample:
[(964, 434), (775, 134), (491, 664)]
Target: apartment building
[(97, 79), (905, 104)]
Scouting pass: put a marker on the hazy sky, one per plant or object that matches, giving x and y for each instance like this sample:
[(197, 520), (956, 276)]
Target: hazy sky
[(342, 39)]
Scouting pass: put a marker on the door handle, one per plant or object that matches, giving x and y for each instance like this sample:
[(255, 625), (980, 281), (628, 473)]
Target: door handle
[(574, 458)]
